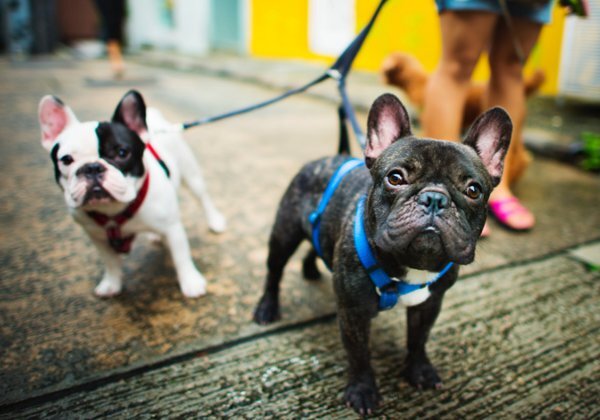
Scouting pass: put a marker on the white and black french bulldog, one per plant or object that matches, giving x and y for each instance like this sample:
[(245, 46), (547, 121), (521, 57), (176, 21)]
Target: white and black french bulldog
[(120, 178), (413, 205)]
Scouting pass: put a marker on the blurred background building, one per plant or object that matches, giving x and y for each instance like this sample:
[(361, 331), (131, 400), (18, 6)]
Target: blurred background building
[(568, 51)]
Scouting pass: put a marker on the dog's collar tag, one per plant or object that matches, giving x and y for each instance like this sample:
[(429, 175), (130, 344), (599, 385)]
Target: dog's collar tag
[(389, 289), (112, 224)]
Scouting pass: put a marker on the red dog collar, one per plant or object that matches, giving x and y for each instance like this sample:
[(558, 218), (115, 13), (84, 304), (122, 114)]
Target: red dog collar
[(112, 224)]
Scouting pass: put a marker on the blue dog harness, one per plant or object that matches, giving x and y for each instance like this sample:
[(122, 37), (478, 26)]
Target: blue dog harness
[(388, 288), (334, 182)]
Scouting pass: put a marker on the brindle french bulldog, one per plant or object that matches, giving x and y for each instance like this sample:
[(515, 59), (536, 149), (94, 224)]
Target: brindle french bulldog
[(426, 204)]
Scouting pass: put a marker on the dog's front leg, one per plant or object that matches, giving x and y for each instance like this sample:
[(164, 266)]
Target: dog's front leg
[(419, 370), (361, 392), (191, 282), (112, 280)]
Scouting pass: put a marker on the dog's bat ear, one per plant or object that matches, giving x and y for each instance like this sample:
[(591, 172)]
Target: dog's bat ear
[(54, 116), (131, 112), (490, 136), (388, 121)]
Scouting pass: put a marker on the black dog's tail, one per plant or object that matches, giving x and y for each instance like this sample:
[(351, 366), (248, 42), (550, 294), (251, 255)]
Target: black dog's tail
[(344, 144)]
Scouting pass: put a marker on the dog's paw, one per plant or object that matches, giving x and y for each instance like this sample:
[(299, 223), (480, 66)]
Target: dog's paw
[(193, 285), (362, 396), (267, 310), (108, 287), (217, 222), (422, 375)]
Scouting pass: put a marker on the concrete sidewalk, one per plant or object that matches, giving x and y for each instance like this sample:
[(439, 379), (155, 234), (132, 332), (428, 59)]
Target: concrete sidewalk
[(518, 336)]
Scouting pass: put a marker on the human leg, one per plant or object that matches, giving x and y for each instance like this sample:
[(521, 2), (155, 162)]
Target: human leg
[(112, 13), (115, 57), (506, 89), (465, 34)]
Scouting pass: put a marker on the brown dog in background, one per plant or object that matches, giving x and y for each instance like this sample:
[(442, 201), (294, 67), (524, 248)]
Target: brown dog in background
[(404, 71)]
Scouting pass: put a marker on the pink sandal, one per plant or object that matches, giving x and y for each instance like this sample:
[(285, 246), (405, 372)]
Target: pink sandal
[(504, 208)]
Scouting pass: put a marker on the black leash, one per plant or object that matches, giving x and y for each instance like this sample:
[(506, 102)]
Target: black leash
[(338, 71), (246, 109)]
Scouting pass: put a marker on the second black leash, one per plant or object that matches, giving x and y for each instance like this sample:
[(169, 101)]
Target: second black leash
[(338, 71)]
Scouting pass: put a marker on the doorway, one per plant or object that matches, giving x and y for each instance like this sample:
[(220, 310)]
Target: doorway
[(227, 23)]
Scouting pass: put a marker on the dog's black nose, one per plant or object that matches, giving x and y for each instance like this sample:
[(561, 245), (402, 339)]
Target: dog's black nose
[(433, 201), (91, 170)]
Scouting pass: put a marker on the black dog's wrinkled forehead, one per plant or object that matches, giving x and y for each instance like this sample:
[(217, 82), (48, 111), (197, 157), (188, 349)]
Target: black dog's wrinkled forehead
[(121, 147), (429, 157)]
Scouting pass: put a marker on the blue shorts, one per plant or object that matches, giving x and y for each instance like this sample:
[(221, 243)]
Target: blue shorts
[(539, 14)]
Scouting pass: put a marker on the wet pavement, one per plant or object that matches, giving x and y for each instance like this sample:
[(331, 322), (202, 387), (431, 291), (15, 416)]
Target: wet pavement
[(518, 337)]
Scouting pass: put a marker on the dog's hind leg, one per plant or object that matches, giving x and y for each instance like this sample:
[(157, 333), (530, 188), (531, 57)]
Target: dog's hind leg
[(285, 238), (192, 175), (310, 271)]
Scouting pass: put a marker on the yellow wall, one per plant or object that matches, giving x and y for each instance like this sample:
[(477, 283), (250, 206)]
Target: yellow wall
[(279, 29)]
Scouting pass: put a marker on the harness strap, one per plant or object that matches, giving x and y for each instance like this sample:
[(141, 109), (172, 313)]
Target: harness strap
[(334, 182), (112, 224), (388, 288), (158, 159)]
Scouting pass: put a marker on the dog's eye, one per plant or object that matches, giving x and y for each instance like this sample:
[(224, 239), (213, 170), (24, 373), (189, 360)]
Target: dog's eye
[(474, 191), (395, 178), (122, 152), (66, 160)]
